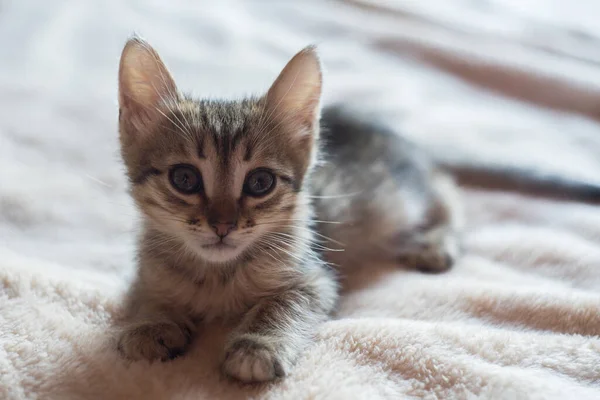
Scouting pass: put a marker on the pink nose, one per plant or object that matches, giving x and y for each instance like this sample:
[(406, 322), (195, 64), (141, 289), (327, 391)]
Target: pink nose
[(222, 229)]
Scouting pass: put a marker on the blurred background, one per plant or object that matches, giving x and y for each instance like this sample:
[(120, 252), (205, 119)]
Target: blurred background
[(514, 82)]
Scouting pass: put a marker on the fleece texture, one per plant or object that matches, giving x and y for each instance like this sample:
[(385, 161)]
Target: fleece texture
[(504, 81)]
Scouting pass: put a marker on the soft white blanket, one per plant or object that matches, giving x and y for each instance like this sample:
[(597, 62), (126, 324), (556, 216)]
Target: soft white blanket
[(509, 81)]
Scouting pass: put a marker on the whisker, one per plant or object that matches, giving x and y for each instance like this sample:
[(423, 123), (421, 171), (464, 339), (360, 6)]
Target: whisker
[(309, 246), (311, 242), (174, 243), (308, 255), (286, 241), (289, 253), (312, 220), (263, 245), (187, 122), (97, 180), (174, 219), (306, 229), (180, 126), (336, 196), (173, 98), (171, 101)]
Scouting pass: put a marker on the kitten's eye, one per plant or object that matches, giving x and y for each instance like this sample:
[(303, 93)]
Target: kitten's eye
[(185, 178), (259, 182)]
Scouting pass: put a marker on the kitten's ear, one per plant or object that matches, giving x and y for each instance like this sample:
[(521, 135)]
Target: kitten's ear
[(145, 84), (296, 93)]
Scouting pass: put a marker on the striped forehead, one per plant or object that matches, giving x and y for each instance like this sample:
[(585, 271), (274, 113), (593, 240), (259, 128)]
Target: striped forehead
[(221, 133), (222, 126)]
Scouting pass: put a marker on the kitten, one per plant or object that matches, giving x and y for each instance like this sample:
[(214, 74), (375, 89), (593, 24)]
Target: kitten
[(242, 223)]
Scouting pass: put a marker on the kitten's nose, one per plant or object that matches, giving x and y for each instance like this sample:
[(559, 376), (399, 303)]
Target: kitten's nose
[(222, 229)]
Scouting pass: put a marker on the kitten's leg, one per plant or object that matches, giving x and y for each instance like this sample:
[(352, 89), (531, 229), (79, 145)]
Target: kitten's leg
[(275, 331), (382, 227), (155, 333), (435, 248)]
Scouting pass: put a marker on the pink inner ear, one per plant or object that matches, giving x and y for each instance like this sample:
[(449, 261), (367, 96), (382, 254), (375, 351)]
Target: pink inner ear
[(296, 92), (144, 80)]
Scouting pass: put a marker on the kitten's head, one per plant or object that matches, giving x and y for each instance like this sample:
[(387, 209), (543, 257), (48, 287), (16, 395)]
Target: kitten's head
[(223, 177)]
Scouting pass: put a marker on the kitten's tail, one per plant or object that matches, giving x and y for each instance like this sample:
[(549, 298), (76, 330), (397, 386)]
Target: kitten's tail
[(523, 180)]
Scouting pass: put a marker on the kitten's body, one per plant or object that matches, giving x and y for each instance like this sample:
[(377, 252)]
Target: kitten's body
[(373, 196), (389, 201)]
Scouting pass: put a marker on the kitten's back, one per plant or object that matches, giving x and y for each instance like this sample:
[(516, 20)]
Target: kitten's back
[(379, 197)]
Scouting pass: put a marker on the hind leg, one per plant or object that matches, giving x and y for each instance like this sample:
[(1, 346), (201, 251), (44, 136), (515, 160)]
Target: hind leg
[(432, 251), (436, 245), (383, 230)]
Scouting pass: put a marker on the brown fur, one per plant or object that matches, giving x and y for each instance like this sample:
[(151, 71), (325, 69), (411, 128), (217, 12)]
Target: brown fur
[(268, 271)]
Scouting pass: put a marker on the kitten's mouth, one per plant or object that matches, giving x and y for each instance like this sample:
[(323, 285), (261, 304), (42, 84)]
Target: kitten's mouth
[(218, 245)]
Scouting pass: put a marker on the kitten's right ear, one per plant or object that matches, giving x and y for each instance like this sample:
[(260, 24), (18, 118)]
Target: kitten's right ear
[(145, 84)]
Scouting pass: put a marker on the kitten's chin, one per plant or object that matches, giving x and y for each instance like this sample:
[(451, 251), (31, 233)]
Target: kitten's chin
[(219, 253)]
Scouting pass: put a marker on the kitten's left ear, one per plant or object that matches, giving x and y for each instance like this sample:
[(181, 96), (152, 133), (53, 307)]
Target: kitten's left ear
[(296, 93), (145, 84)]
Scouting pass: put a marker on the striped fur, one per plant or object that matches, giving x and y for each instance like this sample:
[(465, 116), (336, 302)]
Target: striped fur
[(271, 271)]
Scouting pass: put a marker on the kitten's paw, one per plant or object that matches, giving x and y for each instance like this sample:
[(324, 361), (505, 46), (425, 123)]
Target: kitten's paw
[(251, 360), (154, 341), (434, 255)]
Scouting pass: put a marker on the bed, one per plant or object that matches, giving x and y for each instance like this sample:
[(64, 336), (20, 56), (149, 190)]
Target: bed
[(507, 82)]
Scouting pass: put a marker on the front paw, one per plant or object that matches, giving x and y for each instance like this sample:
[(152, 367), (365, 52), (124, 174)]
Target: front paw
[(252, 359), (154, 341)]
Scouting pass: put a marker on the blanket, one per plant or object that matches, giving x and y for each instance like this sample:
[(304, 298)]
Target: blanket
[(505, 81)]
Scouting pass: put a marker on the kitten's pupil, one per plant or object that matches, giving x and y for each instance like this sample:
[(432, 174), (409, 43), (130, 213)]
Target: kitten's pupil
[(259, 183), (185, 178)]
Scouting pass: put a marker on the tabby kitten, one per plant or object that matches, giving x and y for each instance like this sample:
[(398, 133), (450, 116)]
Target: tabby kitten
[(241, 223)]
